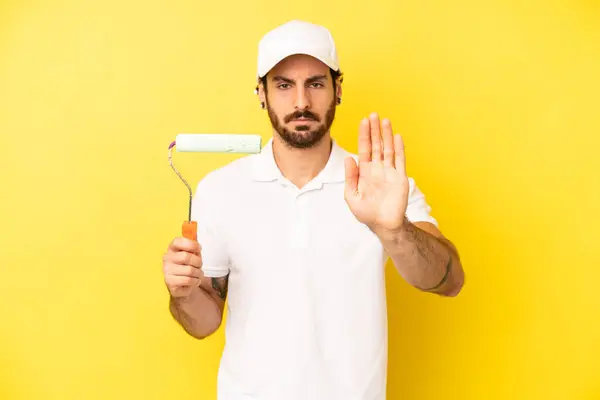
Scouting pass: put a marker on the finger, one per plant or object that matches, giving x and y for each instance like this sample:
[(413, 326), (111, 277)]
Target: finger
[(375, 137), (187, 258), (184, 281), (185, 244), (388, 143), (184, 270), (351, 175), (400, 158), (364, 141)]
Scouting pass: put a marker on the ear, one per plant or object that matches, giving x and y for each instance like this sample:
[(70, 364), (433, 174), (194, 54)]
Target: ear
[(260, 91), (338, 88)]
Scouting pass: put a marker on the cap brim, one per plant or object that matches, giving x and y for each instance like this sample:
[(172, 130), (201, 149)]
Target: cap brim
[(330, 63)]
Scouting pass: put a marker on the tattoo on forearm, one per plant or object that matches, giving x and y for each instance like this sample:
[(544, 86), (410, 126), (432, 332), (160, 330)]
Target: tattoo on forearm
[(444, 278), (221, 285)]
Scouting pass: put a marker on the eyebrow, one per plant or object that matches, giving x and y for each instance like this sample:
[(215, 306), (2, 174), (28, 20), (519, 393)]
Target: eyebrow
[(311, 79)]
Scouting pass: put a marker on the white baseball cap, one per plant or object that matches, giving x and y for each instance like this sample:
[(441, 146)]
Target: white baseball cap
[(296, 37)]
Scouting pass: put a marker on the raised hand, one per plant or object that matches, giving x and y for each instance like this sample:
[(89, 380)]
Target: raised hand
[(377, 188)]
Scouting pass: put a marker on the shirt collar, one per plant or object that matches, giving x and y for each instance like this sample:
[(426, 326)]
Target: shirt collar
[(265, 168)]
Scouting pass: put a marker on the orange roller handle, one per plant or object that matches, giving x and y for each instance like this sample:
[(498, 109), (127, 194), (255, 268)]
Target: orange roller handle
[(189, 229)]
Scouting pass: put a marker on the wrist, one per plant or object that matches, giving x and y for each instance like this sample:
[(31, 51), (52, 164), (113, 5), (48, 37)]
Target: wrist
[(393, 235), (187, 299)]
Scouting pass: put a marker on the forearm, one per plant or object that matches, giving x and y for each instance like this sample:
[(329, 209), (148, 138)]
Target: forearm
[(425, 261), (199, 313)]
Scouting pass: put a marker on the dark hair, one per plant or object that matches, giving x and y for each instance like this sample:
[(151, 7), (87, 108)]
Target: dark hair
[(334, 76)]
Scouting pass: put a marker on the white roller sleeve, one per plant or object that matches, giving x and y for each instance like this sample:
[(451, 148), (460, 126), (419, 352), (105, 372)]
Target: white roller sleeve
[(218, 142)]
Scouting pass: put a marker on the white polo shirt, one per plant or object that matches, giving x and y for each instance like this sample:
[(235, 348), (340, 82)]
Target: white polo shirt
[(306, 303)]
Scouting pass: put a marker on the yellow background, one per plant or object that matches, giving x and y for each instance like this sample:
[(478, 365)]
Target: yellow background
[(498, 103)]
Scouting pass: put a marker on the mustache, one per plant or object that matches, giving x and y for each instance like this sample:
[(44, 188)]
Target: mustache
[(301, 114)]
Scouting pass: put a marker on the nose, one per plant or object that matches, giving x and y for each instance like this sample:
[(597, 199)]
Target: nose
[(302, 100)]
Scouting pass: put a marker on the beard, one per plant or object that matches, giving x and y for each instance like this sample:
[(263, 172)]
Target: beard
[(302, 137)]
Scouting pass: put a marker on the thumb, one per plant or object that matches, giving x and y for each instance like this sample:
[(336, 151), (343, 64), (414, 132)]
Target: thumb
[(351, 170)]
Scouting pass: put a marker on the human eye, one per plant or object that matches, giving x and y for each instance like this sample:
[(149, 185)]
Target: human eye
[(317, 85), (283, 86)]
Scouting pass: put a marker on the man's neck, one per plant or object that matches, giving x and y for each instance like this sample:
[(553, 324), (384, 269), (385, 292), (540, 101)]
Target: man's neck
[(300, 166)]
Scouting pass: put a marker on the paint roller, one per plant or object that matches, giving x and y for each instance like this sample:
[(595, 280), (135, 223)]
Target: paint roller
[(210, 143)]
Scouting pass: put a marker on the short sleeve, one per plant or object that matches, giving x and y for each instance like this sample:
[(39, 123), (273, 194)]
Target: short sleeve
[(417, 208), (205, 211)]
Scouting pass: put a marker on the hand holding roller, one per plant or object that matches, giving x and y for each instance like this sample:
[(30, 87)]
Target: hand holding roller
[(209, 143)]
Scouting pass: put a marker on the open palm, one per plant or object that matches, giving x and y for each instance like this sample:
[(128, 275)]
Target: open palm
[(377, 188)]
